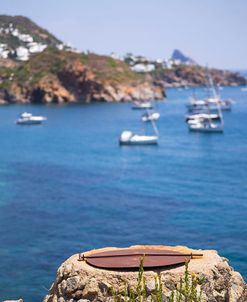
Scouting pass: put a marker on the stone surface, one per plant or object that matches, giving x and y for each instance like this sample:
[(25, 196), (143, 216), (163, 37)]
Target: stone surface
[(77, 281)]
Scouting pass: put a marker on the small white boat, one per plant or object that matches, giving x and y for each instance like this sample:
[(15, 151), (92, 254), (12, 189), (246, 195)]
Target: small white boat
[(27, 118), (207, 127), (148, 117), (129, 138), (142, 105)]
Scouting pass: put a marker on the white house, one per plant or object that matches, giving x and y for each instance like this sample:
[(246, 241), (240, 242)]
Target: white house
[(22, 53), (143, 67)]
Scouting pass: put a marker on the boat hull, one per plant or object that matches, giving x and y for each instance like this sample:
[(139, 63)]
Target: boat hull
[(29, 122), (138, 106), (206, 130), (137, 141)]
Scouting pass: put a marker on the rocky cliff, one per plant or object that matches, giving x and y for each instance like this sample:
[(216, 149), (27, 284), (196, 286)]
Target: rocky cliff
[(36, 67), (78, 281), (194, 75), (61, 76)]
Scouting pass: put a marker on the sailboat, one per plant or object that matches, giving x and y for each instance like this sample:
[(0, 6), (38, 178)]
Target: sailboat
[(206, 125), (129, 138), (196, 105), (215, 100), (201, 116), (150, 116)]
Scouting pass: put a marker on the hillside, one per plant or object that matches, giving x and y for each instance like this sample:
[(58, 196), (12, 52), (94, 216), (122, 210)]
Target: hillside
[(25, 26), (61, 76), (35, 66), (20, 38)]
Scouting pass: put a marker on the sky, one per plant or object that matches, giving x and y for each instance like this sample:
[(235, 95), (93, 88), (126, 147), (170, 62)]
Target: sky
[(212, 32)]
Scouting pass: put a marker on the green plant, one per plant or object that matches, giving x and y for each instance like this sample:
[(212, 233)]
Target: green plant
[(186, 290)]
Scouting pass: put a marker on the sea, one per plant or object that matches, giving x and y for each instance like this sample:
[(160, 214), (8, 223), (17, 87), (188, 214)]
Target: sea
[(67, 186)]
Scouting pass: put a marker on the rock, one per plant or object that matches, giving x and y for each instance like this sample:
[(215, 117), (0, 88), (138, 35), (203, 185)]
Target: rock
[(150, 286), (49, 90), (78, 281)]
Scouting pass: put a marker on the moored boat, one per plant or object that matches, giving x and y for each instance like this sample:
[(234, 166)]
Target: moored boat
[(142, 105), (129, 138), (224, 104), (207, 127), (202, 116), (27, 118), (148, 117)]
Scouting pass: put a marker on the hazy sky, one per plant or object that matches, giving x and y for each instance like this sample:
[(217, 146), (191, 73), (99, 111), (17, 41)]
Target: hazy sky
[(212, 32)]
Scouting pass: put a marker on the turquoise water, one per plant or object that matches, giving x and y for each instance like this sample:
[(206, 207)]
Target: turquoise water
[(66, 186)]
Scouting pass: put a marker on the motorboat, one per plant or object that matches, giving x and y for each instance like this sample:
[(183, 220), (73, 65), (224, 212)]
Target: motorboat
[(27, 118), (142, 105), (148, 117), (129, 138)]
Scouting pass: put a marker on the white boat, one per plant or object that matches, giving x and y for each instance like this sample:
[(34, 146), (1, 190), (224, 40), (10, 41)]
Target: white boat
[(142, 105), (129, 138), (194, 105), (202, 116), (148, 117), (224, 104), (27, 118), (206, 127)]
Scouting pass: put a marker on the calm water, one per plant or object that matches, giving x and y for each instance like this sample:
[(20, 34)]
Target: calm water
[(67, 186)]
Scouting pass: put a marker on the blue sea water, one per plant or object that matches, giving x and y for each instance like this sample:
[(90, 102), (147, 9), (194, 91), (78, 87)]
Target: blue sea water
[(66, 187)]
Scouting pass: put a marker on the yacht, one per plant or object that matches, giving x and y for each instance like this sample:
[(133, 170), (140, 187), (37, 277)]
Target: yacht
[(27, 118)]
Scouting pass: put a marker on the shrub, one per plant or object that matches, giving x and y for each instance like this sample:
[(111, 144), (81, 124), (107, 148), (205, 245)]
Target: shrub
[(186, 290)]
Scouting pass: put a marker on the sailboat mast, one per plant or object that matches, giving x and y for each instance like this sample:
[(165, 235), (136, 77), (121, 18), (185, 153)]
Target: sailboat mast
[(156, 131)]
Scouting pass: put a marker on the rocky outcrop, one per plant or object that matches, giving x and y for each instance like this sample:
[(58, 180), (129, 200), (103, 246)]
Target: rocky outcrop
[(61, 77), (78, 281), (195, 76), (77, 83)]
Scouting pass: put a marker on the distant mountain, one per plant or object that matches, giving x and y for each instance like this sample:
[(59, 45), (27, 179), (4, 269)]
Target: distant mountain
[(177, 55)]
